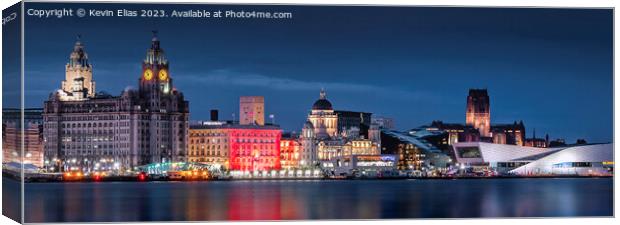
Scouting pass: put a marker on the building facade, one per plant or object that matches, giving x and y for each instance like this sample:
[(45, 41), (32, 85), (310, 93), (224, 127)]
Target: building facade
[(105, 132), (309, 146), (383, 122), (290, 153), (455, 132), (209, 144), (323, 118), (329, 134), (255, 148), (511, 134), (32, 135), (235, 146), (348, 120), (580, 160), (32, 143), (537, 142), (413, 152), (364, 166)]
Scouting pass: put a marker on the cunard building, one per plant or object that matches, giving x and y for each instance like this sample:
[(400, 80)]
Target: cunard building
[(88, 130)]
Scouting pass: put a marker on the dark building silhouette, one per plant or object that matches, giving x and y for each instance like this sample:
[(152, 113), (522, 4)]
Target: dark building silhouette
[(455, 132), (414, 153), (350, 119), (557, 143), (537, 142), (214, 115), (581, 142)]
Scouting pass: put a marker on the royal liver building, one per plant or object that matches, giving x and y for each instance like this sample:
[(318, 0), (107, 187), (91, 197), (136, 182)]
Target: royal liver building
[(89, 131)]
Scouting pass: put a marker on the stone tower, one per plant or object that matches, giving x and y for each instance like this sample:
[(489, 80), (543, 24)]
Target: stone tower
[(252, 110), (308, 143), (78, 83), (478, 112), (165, 112)]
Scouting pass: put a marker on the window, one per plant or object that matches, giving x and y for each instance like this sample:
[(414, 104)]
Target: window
[(469, 152)]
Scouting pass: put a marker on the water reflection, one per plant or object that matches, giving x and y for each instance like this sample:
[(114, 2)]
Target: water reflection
[(298, 200), (11, 200)]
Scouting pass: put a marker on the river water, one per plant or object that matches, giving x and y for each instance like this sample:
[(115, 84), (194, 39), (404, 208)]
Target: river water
[(317, 199)]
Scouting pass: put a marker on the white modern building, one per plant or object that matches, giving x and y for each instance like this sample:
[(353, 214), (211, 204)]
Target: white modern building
[(581, 160)]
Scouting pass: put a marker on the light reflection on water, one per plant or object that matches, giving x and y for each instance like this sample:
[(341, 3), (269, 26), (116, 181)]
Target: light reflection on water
[(298, 200)]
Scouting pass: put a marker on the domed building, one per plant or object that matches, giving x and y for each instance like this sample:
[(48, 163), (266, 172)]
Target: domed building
[(322, 103), (323, 118), (323, 139)]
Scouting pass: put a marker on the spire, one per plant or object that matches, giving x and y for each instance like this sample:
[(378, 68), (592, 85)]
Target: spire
[(155, 40), (78, 56), (322, 94), (155, 55), (78, 40)]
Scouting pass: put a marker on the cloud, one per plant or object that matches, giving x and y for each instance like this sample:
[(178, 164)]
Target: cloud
[(227, 77)]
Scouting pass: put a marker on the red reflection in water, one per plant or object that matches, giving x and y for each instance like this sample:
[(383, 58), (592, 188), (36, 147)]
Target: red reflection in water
[(258, 203)]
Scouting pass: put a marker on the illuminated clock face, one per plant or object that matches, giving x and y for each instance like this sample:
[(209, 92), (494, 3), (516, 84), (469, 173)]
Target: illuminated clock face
[(148, 74), (163, 75)]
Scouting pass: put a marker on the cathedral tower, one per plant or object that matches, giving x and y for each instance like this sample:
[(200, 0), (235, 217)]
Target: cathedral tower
[(478, 112)]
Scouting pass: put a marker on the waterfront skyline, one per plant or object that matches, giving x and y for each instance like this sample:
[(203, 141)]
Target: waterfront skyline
[(418, 68)]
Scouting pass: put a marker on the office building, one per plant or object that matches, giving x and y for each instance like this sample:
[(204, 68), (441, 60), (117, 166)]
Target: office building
[(103, 132)]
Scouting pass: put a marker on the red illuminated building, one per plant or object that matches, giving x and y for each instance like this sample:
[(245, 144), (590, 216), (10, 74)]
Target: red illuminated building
[(254, 148), (289, 153)]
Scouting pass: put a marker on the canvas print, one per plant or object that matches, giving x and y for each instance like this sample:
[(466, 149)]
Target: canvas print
[(138, 112)]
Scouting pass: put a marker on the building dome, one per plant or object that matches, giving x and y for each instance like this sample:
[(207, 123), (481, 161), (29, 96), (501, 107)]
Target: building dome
[(322, 103), (308, 125)]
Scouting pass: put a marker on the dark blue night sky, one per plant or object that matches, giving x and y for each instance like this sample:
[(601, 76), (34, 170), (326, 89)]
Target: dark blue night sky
[(551, 68)]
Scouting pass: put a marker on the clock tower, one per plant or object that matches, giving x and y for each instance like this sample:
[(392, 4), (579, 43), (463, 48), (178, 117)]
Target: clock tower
[(164, 111), (155, 81)]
